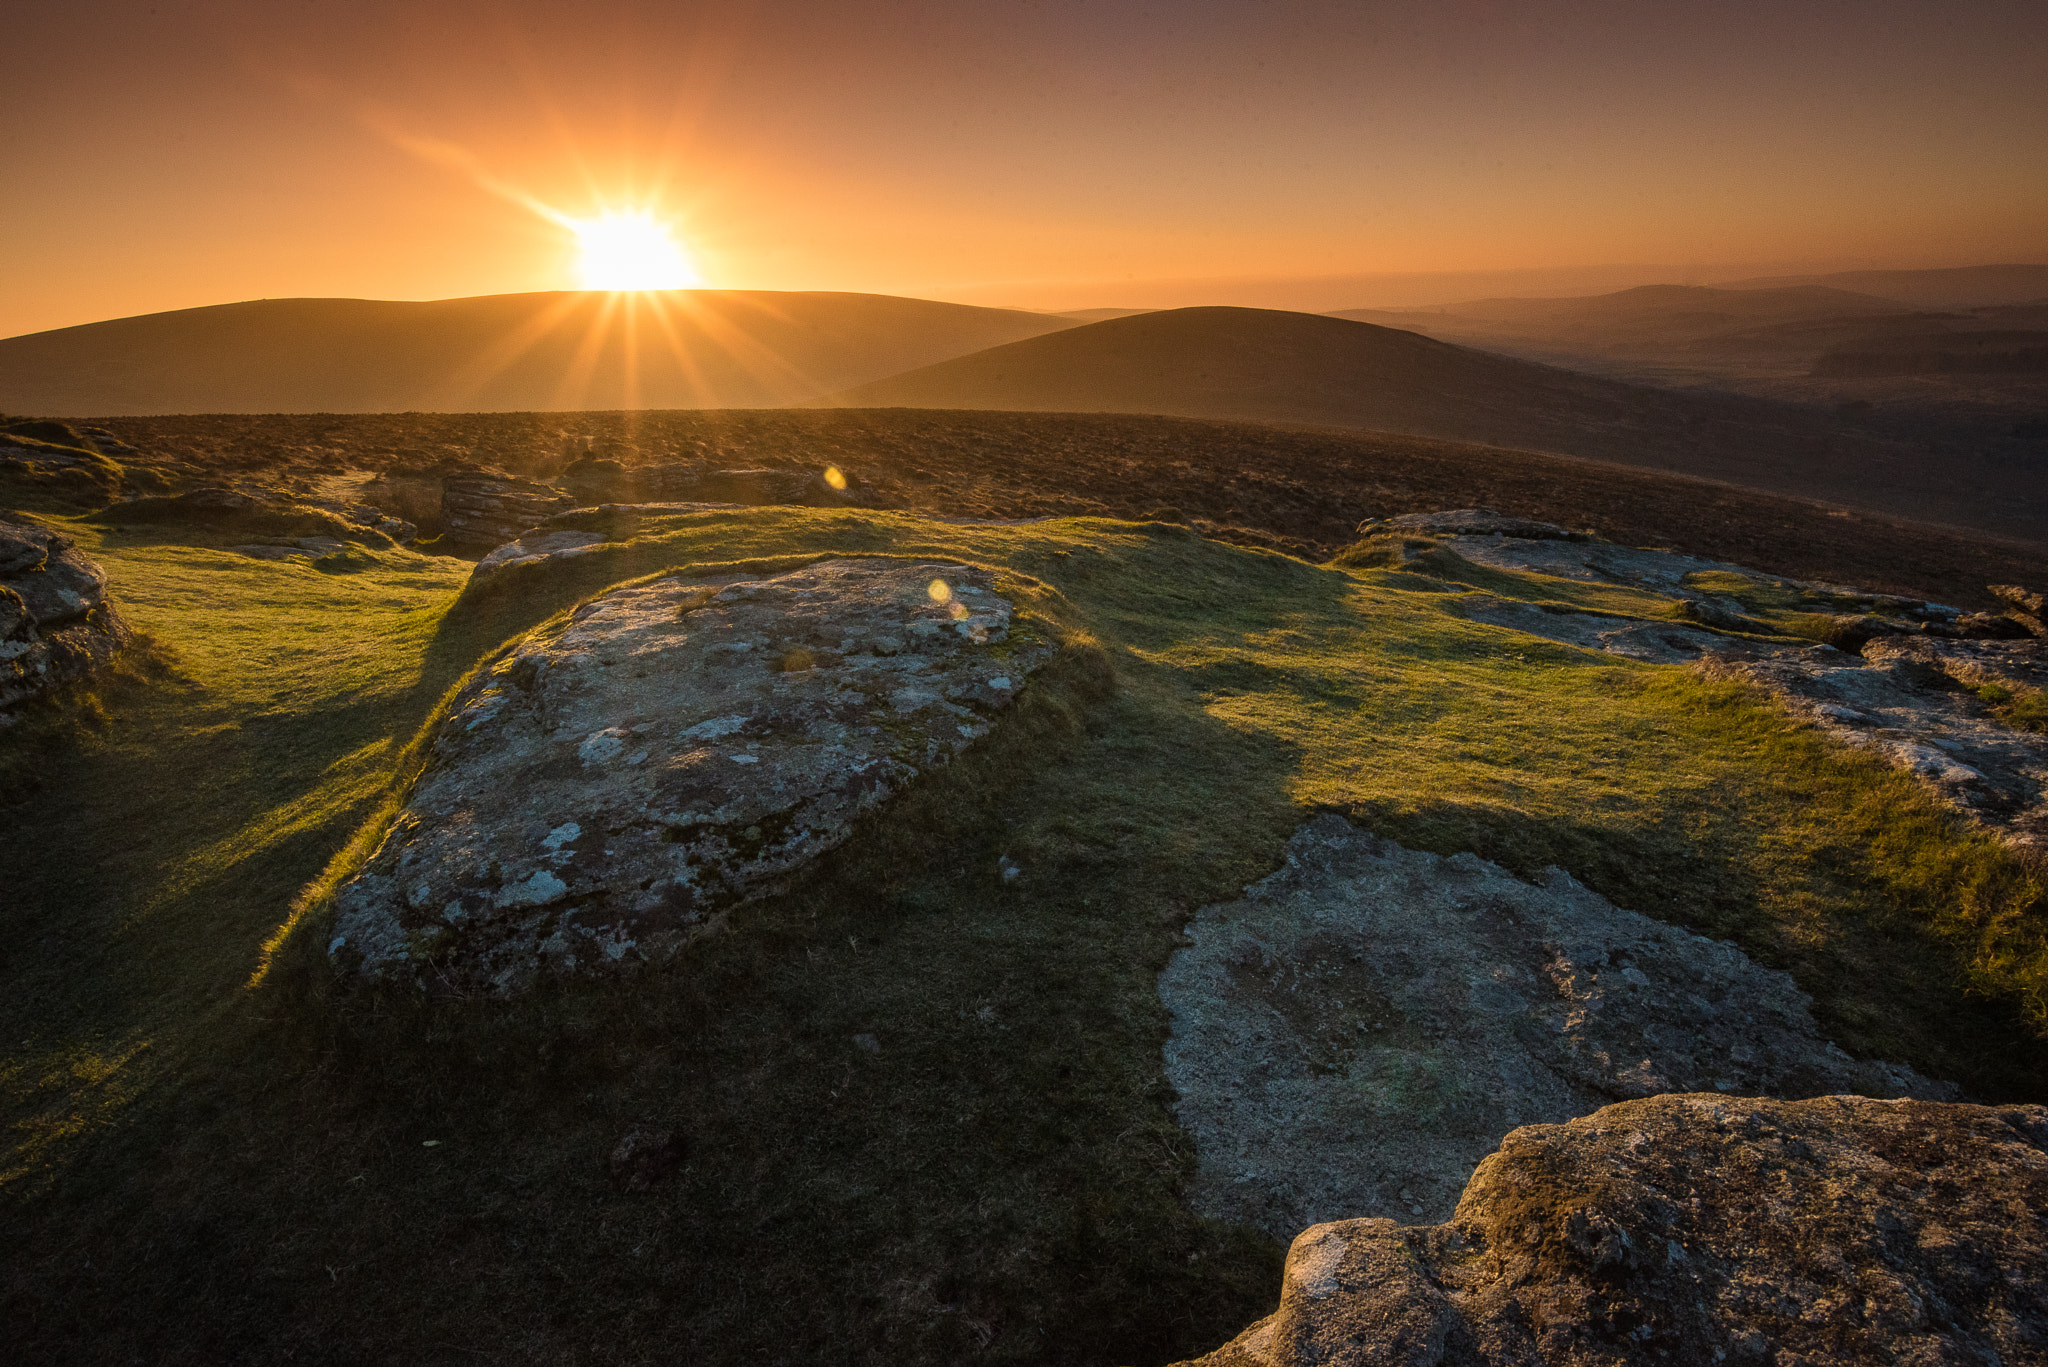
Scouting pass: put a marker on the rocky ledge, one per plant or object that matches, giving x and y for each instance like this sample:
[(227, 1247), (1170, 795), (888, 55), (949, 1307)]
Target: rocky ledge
[(1699, 1231), (1953, 698), (611, 787), (56, 624), (1364, 1025), (1924, 706)]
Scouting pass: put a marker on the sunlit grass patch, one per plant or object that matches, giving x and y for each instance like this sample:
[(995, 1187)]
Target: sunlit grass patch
[(999, 1177)]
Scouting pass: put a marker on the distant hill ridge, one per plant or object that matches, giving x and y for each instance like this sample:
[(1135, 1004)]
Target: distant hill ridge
[(1261, 365), (494, 353)]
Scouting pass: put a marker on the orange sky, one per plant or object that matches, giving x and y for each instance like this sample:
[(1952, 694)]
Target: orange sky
[(1049, 154)]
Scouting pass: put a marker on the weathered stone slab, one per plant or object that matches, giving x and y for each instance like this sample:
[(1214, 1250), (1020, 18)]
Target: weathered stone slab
[(1698, 1230), (1364, 1026), (485, 510), (535, 547), (613, 786), (1909, 701), (1649, 642)]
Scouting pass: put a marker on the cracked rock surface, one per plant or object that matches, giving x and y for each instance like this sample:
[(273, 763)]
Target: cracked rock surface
[(1911, 702), (611, 787), (56, 624), (1360, 1029), (1698, 1230)]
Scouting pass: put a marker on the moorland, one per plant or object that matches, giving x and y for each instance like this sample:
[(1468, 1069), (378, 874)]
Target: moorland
[(919, 1104)]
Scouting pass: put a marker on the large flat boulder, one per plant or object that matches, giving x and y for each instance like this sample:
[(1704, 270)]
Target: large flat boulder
[(56, 625), (1363, 1026), (1699, 1231), (609, 789)]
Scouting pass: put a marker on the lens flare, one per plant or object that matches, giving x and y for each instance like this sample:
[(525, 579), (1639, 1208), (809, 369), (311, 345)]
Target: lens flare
[(834, 478), (631, 251), (940, 591)]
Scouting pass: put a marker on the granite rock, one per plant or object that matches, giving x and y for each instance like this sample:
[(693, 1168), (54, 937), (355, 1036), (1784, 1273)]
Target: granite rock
[(611, 787), (56, 625), (1699, 1231), (1363, 1026)]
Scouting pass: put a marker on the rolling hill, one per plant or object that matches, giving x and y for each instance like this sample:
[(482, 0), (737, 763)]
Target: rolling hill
[(1650, 321), (1266, 366), (494, 353), (1953, 288)]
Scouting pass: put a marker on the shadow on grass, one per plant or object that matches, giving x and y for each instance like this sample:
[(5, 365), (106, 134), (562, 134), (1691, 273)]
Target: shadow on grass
[(999, 1180)]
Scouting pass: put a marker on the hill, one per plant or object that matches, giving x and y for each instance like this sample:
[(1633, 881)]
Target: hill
[(494, 353), (1269, 366), (1957, 287), (1670, 313)]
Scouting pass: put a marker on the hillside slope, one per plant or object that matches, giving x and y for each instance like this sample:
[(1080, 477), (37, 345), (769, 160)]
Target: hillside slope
[(494, 353), (1268, 366)]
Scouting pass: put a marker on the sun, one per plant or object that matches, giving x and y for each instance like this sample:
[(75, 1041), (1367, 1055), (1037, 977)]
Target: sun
[(631, 250)]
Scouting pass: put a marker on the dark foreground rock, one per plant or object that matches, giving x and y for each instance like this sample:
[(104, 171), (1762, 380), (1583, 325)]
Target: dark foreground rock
[(1699, 1231), (56, 625), (610, 788), (1364, 1025)]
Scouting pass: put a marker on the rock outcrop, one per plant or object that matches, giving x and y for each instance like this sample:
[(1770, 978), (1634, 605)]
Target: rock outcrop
[(1651, 642), (482, 511), (56, 624), (610, 788), (1904, 679), (1916, 704), (535, 547), (1364, 1026), (269, 516), (2024, 607), (1468, 522), (1699, 1231)]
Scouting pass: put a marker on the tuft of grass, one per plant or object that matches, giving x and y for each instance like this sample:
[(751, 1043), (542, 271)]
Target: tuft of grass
[(1001, 1180), (2026, 709)]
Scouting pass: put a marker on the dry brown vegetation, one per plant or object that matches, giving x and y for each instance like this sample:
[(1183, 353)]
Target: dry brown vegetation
[(1296, 488)]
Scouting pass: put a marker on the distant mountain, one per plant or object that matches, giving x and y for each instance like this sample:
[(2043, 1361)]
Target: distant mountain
[(494, 353), (1652, 316), (1958, 288), (1269, 366)]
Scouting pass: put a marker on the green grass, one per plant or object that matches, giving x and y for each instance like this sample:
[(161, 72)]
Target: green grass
[(212, 1161)]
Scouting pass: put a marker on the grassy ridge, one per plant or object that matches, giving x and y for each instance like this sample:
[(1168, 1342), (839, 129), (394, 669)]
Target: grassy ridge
[(205, 1169)]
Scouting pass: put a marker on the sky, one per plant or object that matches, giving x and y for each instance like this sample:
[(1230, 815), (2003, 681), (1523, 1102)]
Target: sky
[(1034, 153)]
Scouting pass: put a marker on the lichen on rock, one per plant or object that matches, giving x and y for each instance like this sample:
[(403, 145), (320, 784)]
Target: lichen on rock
[(1697, 1230), (1364, 1025), (615, 784)]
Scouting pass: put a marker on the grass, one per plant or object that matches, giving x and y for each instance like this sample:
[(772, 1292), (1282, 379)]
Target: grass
[(206, 1168)]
